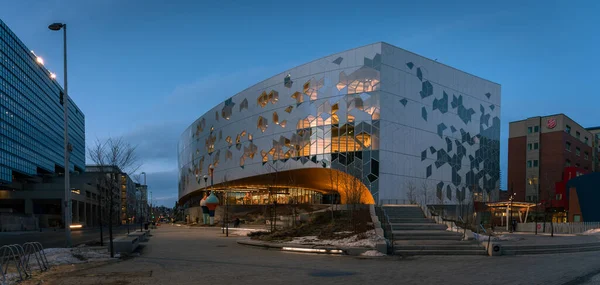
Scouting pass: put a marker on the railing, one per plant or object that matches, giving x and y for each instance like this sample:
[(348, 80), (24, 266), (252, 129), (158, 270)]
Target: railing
[(17, 259), (396, 202), (559, 228), (387, 228)]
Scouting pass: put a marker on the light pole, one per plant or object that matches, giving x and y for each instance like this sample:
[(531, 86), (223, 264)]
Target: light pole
[(67, 146), (141, 201)]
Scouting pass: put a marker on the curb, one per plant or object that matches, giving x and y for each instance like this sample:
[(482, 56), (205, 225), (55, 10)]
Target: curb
[(353, 251)]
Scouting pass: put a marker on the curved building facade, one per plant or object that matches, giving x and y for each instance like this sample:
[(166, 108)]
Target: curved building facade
[(371, 124)]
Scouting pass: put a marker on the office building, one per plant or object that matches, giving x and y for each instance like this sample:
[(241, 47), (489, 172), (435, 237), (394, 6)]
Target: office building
[(544, 153), (32, 130)]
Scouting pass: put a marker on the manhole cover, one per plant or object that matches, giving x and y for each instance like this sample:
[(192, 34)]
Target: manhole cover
[(330, 273)]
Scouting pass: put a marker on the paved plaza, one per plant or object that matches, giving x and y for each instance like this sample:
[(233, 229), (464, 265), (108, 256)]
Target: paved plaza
[(178, 255)]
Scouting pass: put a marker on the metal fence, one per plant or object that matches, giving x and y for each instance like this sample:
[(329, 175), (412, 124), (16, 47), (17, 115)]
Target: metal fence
[(559, 228), (17, 260)]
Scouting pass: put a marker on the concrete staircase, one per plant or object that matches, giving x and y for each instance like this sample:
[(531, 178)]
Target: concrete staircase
[(414, 234)]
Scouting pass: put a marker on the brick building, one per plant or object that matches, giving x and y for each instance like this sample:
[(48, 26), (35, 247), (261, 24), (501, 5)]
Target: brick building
[(544, 153)]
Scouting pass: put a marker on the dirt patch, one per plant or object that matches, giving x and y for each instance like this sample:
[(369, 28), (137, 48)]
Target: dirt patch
[(343, 224)]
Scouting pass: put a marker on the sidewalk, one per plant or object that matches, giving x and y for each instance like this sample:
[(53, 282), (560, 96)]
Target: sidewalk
[(526, 238)]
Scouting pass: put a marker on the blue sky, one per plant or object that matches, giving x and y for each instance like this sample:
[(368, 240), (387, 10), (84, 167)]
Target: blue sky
[(145, 70)]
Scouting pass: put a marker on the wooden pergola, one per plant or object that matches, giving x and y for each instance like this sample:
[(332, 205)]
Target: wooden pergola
[(510, 204)]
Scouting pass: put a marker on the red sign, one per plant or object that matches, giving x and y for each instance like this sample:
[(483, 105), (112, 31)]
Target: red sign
[(539, 226), (551, 123)]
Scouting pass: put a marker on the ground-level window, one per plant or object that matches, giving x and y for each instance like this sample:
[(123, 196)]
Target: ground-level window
[(576, 218)]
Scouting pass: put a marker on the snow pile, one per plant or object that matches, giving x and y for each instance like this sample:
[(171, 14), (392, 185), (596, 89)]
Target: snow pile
[(353, 241), (485, 238), (454, 229), (592, 232), (372, 253), (11, 278), (57, 256)]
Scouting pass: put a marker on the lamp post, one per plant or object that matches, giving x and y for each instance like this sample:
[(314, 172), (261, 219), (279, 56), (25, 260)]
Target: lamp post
[(141, 202), (511, 198), (67, 146)]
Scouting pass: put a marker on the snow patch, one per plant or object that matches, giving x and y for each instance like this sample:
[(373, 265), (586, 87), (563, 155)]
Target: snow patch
[(591, 232), (485, 238), (58, 256), (372, 253), (359, 240)]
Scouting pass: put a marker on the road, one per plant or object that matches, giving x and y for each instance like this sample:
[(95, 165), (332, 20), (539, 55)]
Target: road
[(51, 238), (176, 255)]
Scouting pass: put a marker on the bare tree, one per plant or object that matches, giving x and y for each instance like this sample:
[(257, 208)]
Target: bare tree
[(113, 158), (424, 192), (334, 179), (411, 192), (354, 189)]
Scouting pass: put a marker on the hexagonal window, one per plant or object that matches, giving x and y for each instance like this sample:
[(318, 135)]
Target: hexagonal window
[(244, 104), (250, 137), (263, 99), (298, 97), (275, 118), (289, 109), (287, 81), (228, 140), (243, 133), (283, 123), (273, 96), (262, 124), (306, 87)]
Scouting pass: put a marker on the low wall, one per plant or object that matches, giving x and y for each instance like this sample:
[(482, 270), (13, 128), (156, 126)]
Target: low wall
[(16, 222)]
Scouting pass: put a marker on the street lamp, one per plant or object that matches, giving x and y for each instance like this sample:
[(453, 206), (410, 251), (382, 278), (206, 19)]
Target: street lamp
[(67, 146), (141, 201)]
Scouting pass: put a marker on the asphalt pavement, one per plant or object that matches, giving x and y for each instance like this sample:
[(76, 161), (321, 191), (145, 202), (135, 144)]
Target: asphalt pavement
[(178, 255), (50, 238)]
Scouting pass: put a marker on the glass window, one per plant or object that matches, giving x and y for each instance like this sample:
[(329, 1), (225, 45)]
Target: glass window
[(585, 139), (535, 163), (529, 130), (568, 163), (577, 134), (577, 151), (529, 164), (536, 145), (568, 129), (536, 129), (530, 146), (568, 146), (576, 218), (585, 155)]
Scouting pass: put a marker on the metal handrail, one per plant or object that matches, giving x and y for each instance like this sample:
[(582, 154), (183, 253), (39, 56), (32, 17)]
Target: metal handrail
[(387, 228)]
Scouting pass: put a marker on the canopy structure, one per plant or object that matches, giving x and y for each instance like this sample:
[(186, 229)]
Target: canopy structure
[(508, 205)]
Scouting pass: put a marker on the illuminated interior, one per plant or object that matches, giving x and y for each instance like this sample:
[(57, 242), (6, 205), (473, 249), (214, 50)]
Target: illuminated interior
[(298, 186)]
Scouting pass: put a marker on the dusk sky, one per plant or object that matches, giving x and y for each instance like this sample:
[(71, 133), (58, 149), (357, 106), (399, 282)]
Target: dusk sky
[(145, 70)]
